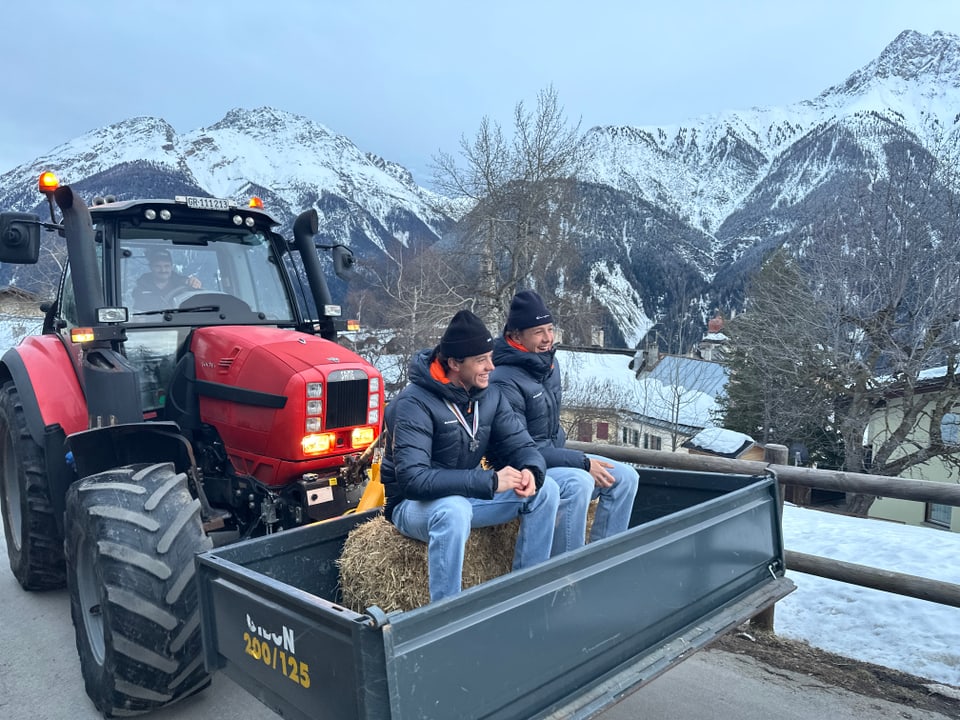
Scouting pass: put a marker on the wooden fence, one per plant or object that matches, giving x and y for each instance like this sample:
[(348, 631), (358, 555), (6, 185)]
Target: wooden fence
[(775, 463)]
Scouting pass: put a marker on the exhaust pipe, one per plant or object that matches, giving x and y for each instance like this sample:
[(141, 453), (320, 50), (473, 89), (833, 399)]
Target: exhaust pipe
[(305, 227), (81, 249)]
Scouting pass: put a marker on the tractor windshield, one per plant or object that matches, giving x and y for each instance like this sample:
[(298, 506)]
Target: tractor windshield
[(174, 276)]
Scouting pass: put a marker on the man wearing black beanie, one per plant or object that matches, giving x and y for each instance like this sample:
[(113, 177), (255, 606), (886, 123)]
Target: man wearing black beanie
[(529, 377), (437, 431)]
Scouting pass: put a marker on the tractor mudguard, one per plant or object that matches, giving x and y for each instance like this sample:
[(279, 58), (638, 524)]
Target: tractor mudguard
[(101, 449), (47, 382)]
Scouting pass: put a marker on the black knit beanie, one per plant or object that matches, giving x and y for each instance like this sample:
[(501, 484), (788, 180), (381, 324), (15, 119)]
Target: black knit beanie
[(527, 310), (465, 336)]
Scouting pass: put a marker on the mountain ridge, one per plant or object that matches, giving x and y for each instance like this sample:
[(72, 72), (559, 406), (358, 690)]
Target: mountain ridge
[(666, 211)]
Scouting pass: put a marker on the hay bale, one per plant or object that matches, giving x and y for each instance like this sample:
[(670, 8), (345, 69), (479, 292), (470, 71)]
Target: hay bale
[(379, 566), (591, 511)]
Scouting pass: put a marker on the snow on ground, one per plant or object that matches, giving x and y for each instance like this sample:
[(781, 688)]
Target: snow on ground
[(907, 634)]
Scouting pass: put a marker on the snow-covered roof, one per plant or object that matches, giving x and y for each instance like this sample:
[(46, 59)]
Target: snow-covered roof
[(691, 373), (717, 337), (720, 441), (679, 392)]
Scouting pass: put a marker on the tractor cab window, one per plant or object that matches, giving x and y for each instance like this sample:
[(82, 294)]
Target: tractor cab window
[(68, 299), (203, 278), (159, 275), (153, 352)]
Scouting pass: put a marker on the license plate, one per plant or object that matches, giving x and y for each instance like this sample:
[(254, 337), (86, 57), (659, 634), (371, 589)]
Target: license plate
[(203, 203)]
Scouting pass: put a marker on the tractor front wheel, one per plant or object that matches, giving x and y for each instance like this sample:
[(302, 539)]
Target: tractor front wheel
[(132, 533)]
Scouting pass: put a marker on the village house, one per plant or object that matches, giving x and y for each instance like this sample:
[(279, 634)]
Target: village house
[(937, 469), (640, 399)]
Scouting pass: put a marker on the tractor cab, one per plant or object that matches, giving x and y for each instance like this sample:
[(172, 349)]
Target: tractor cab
[(168, 268)]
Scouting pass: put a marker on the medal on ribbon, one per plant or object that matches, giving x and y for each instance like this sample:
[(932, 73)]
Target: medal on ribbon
[(472, 432)]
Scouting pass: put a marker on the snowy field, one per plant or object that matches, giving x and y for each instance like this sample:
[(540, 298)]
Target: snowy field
[(915, 636)]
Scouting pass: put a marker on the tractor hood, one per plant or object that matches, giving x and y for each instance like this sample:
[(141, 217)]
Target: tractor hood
[(226, 350), (253, 385)]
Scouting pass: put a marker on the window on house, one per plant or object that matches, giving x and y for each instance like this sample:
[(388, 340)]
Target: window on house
[(624, 436), (636, 438), (950, 429), (651, 442), (939, 515), (603, 431), (584, 431)]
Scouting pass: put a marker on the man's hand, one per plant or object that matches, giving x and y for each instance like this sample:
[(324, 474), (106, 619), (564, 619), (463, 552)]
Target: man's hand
[(528, 484), (194, 282), (521, 482), (598, 469)]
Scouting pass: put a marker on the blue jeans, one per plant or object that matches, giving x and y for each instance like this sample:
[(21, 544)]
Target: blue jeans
[(577, 489), (444, 524)]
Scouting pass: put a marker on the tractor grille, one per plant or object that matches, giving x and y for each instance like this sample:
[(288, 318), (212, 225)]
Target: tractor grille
[(346, 403)]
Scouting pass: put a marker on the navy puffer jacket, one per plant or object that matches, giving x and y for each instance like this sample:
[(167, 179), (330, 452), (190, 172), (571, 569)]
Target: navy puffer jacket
[(427, 453), (532, 385)]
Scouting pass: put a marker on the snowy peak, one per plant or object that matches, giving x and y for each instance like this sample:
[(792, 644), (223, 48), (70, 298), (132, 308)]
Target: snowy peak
[(138, 127), (267, 120), (665, 215), (705, 169), (397, 172), (917, 57), (914, 70), (140, 138)]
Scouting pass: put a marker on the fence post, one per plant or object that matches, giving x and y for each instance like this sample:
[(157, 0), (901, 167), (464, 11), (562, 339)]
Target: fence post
[(772, 455)]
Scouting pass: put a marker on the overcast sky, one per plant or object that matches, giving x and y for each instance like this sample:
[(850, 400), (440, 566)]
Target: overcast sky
[(408, 79)]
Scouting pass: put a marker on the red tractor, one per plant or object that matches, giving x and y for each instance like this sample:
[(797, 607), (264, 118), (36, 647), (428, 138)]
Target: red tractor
[(186, 390)]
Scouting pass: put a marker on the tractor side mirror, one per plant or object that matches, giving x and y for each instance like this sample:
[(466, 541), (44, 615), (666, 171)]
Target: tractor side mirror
[(343, 262), (19, 238)]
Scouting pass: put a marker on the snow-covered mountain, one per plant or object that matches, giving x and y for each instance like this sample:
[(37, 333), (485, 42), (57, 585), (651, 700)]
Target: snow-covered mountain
[(705, 169), (298, 163), (671, 220), (749, 180)]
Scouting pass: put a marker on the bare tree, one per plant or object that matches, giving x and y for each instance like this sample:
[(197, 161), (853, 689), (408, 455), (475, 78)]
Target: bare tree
[(414, 296), (875, 306), (591, 400), (676, 396), (518, 233)]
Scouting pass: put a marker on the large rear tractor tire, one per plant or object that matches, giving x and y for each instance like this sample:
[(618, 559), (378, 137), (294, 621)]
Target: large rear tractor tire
[(34, 542), (132, 533)]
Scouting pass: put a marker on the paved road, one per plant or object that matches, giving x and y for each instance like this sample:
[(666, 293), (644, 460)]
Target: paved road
[(40, 680)]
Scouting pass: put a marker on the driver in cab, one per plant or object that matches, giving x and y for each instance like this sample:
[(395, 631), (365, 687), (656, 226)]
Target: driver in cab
[(155, 289)]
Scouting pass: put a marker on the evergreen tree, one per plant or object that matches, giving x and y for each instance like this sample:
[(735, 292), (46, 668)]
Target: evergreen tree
[(774, 394)]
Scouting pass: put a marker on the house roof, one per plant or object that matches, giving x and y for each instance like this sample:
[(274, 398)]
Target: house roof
[(717, 337), (18, 292), (679, 392), (691, 373), (720, 441)]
